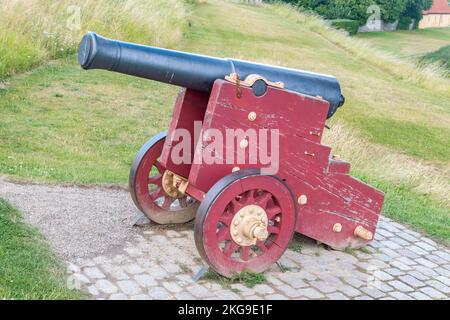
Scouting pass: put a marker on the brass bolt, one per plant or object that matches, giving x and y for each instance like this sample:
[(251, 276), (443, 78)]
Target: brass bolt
[(363, 233), (252, 116), (243, 144), (337, 227), (236, 222), (302, 200), (336, 157)]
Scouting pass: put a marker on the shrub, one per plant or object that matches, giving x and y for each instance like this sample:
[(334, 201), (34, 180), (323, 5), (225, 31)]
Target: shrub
[(404, 23), (351, 26)]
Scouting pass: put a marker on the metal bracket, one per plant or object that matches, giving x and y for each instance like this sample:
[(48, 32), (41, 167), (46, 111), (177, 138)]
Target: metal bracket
[(251, 79)]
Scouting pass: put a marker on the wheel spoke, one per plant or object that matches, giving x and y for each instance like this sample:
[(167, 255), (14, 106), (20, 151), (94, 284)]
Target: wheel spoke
[(273, 229), (245, 253), (156, 194), (226, 219), (272, 212), (264, 199), (167, 202), (155, 180), (250, 198), (183, 202), (262, 246), (230, 248), (159, 166), (237, 205), (223, 234)]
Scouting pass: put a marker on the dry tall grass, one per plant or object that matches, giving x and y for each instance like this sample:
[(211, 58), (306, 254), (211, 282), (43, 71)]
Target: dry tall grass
[(430, 76), (381, 162), (32, 31)]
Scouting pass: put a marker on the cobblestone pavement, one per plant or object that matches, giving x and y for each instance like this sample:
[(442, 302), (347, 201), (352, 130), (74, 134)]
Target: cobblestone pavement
[(91, 229), (160, 263)]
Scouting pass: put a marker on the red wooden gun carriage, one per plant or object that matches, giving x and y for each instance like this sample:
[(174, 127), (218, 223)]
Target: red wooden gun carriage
[(246, 204)]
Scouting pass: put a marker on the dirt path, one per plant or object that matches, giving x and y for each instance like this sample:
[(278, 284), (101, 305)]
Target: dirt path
[(77, 222)]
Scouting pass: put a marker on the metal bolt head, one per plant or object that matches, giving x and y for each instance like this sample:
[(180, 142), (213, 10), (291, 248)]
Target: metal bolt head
[(252, 116), (337, 227), (302, 200), (243, 144), (235, 169)]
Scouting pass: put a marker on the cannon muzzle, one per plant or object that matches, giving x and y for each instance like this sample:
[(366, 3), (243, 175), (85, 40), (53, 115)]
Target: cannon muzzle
[(196, 71)]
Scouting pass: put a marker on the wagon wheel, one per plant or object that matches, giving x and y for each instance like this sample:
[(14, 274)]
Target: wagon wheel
[(245, 223), (146, 188)]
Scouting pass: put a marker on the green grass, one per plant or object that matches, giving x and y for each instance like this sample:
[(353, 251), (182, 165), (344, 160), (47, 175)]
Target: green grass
[(423, 141), (60, 123), (441, 56), (31, 33), (247, 278), (417, 210), (28, 269), (412, 43)]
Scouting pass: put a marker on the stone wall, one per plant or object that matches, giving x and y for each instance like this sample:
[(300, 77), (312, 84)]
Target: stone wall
[(434, 20), (378, 25)]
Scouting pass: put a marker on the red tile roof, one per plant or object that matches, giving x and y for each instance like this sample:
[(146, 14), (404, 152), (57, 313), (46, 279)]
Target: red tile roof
[(439, 6)]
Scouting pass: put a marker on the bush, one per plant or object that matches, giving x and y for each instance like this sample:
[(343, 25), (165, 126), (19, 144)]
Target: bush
[(34, 31), (351, 26), (404, 23)]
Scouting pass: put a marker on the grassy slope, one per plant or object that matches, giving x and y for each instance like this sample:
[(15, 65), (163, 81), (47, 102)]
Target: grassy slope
[(441, 55), (35, 31), (62, 124), (28, 269), (409, 43)]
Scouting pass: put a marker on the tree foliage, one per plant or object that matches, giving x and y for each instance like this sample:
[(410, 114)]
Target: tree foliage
[(390, 10)]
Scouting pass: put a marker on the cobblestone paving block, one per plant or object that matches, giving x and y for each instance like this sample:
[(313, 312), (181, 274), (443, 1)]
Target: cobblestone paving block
[(118, 296), (337, 296), (129, 287), (145, 280), (400, 296), (433, 293), (400, 286), (276, 296), (439, 286), (94, 273), (412, 281), (159, 293), (373, 292), (106, 286)]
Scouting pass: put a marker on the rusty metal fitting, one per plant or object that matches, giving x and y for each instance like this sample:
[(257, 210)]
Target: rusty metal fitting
[(363, 233), (337, 227)]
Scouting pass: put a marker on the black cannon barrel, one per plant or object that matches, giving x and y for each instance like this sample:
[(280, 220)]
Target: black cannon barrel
[(196, 71)]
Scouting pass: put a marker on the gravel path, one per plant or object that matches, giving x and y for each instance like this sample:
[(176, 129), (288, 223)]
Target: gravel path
[(77, 222), (91, 229)]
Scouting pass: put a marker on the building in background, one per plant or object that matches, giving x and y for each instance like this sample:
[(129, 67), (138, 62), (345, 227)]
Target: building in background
[(437, 16)]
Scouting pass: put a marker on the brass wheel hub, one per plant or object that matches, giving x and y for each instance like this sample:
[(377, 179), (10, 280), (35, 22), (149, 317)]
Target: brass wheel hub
[(249, 225), (170, 183)]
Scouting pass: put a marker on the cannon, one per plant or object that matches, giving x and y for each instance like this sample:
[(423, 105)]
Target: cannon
[(242, 156)]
